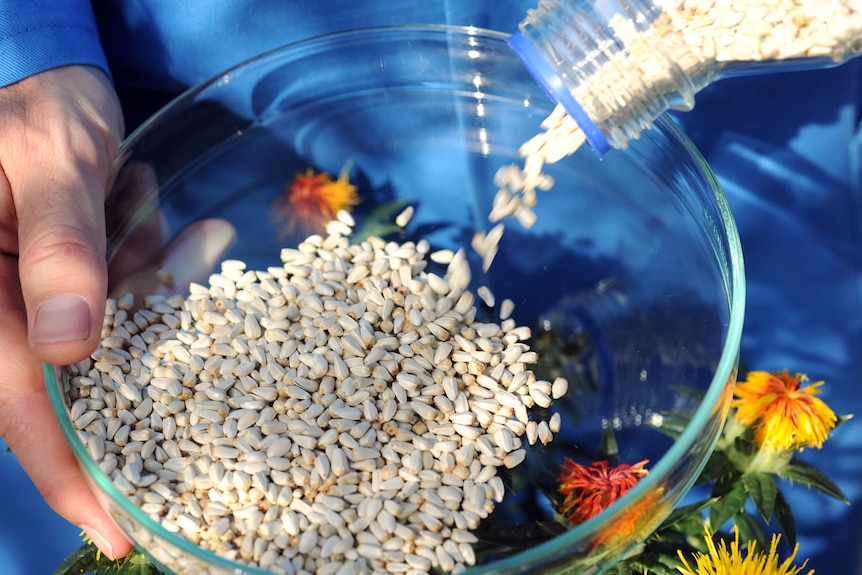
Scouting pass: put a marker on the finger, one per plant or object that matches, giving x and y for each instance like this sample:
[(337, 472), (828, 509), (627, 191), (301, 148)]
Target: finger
[(135, 197), (60, 137), (62, 262), (30, 429), (191, 257)]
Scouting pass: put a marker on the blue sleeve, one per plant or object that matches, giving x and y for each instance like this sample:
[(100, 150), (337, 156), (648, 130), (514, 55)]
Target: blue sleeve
[(186, 43), (37, 35)]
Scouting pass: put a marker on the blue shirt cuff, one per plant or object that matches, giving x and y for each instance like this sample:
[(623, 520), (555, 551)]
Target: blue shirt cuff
[(37, 35)]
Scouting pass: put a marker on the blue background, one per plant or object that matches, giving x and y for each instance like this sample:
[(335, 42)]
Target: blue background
[(786, 147)]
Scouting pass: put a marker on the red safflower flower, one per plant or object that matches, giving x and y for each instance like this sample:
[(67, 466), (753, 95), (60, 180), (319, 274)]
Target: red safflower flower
[(313, 199), (589, 490)]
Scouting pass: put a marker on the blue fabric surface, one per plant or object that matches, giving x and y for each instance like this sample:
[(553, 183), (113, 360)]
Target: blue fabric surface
[(180, 36), (786, 148), (36, 35)]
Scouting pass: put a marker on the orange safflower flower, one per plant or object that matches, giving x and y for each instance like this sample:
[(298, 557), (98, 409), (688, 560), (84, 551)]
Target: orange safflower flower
[(313, 199), (784, 414), (723, 561), (589, 490), (635, 523)]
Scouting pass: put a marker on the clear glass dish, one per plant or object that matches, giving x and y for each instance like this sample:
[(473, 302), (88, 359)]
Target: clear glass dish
[(631, 279)]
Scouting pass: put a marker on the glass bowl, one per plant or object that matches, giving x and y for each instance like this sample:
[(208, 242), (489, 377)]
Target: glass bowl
[(631, 279)]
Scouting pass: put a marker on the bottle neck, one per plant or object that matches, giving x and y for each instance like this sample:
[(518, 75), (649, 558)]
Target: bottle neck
[(614, 67)]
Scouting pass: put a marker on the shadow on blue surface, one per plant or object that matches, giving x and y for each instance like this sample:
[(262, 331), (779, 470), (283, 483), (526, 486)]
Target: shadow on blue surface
[(786, 149)]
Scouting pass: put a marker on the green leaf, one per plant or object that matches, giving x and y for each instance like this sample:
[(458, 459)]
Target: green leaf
[(717, 467), (661, 554), (137, 564), (786, 523), (799, 471), (762, 489), (750, 530), (729, 504), (674, 422), (693, 394), (685, 512), (744, 445), (111, 568), (608, 448), (725, 485), (843, 419), (380, 222), (82, 560), (651, 565), (691, 527)]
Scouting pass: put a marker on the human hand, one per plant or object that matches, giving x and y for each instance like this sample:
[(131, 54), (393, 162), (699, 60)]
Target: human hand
[(59, 134), (153, 257)]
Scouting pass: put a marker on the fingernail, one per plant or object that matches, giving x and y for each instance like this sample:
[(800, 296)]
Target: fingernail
[(61, 318), (99, 541)]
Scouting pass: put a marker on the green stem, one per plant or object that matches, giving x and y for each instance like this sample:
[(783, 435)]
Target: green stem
[(768, 461)]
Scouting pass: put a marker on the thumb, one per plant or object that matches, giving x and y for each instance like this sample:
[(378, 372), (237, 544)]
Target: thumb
[(62, 266), (57, 176)]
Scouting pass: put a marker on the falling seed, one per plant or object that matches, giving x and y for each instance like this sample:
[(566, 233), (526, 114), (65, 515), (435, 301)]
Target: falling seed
[(402, 219), (442, 256), (487, 296), (559, 388), (507, 306), (555, 422), (345, 217)]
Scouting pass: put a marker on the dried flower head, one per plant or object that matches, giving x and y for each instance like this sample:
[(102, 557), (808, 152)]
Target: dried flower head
[(590, 489), (784, 414), (313, 199), (721, 560)]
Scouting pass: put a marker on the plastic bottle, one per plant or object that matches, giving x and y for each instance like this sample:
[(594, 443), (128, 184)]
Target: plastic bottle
[(616, 65)]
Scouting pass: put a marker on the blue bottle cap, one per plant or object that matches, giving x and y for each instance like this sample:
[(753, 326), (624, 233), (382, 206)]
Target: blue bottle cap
[(553, 86)]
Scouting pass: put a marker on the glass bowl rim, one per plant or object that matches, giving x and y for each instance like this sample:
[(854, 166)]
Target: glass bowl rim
[(551, 548)]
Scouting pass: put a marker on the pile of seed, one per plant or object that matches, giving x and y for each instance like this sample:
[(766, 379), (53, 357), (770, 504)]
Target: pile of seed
[(692, 36), (343, 413), (751, 30)]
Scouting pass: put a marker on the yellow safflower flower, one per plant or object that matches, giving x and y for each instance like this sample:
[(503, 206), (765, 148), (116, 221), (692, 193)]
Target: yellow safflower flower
[(723, 561), (784, 414)]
